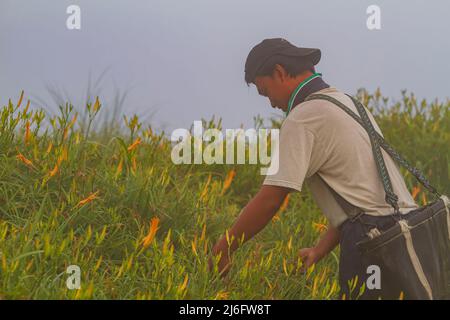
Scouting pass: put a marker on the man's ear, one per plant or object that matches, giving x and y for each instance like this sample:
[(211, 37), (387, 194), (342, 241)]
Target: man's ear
[(280, 72)]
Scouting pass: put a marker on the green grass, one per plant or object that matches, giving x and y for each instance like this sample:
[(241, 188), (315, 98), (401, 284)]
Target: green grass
[(44, 228)]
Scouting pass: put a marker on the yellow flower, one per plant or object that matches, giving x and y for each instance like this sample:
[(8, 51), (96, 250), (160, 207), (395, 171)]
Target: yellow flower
[(424, 198), (96, 104), (63, 155), (50, 146), (184, 284), (285, 267), (154, 223), (205, 189), (194, 246), (133, 165), (289, 245), (314, 288), (202, 237)]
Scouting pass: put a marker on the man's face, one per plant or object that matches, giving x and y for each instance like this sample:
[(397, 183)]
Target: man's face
[(275, 88)]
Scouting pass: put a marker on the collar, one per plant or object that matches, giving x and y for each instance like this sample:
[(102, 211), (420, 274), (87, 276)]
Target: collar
[(310, 85)]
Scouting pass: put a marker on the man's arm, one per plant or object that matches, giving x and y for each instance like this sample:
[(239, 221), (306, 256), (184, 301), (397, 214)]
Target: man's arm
[(326, 244), (253, 218)]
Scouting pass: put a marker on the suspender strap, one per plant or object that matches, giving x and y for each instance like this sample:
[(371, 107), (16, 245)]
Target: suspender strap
[(378, 142)]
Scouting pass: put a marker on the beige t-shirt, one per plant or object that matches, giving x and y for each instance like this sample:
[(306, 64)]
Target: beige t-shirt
[(324, 146)]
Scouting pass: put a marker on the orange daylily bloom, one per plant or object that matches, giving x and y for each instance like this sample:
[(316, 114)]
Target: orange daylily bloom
[(283, 207), (276, 217), (20, 99), (284, 204), (119, 167), (319, 227), (73, 120), (27, 132), (134, 144), (154, 223), (62, 157), (65, 133), (69, 126), (228, 180), (22, 158), (54, 171), (222, 295), (26, 108), (415, 192), (91, 197)]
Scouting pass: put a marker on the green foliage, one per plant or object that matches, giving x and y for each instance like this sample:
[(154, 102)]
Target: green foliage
[(72, 196)]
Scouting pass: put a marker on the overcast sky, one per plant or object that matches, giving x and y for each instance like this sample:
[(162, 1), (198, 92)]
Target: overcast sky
[(184, 59)]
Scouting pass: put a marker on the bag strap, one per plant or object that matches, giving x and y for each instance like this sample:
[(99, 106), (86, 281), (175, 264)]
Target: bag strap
[(390, 196), (381, 142)]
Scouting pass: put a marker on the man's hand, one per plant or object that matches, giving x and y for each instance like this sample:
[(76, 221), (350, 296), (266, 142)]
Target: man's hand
[(223, 266), (327, 243), (253, 218), (309, 257)]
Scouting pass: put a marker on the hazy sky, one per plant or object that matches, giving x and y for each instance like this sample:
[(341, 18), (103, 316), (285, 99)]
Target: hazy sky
[(184, 59)]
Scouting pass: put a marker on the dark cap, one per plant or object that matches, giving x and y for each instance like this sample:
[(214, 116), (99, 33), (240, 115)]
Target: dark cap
[(267, 48)]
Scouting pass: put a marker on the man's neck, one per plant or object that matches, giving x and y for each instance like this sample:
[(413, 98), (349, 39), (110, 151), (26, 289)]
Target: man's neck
[(314, 85)]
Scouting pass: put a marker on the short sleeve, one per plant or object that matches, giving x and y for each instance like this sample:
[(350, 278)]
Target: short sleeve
[(294, 156)]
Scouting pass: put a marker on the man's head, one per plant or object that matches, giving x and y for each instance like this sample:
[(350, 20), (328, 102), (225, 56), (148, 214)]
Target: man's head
[(276, 67)]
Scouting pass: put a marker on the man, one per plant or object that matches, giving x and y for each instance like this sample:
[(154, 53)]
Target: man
[(323, 146)]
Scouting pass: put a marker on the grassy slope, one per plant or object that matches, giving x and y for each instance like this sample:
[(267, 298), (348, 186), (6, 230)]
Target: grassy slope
[(45, 226)]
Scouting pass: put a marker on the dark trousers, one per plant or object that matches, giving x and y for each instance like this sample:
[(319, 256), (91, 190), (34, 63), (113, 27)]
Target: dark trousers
[(351, 265)]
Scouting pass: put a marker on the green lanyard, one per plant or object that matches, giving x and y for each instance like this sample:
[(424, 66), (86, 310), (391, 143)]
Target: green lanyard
[(299, 87)]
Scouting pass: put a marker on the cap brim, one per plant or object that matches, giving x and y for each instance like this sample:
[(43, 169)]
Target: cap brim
[(312, 53)]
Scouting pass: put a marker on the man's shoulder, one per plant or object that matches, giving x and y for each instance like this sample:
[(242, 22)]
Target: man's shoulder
[(319, 107), (332, 92)]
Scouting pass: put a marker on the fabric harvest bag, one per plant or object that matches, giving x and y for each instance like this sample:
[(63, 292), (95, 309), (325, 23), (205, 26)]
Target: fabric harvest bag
[(414, 254)]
